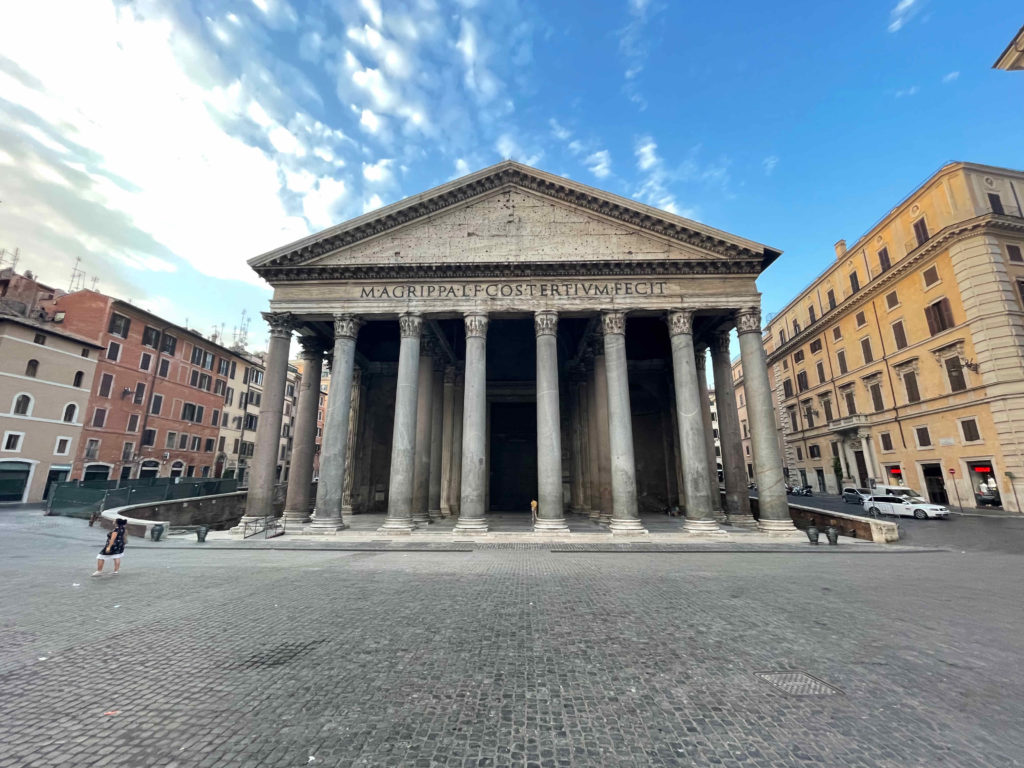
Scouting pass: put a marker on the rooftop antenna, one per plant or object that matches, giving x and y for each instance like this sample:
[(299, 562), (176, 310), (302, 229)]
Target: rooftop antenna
[(94, 281), (4, 253), (76, 276), (241, 334)]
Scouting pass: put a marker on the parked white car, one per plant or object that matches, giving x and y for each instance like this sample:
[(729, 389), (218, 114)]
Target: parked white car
[(903, 506)]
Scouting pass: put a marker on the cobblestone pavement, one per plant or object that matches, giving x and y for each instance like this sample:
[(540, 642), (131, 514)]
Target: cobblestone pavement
[(502, 657)]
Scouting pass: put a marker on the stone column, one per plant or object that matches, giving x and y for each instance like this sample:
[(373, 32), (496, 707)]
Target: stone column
[(771, 488), (424, 421), (851, 462), (474, 430), (604, 461), (625, 516), (298, 502), (594, 438), (355, 418), (447, 412), (403, 439), (455, 486), (337, 423), (869, 459), (737, 498), (714, 489), (550, 515), (700, 517), (436, 439), (260, 499)]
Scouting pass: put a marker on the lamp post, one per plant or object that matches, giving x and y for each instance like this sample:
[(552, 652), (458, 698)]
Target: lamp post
[(952, 476)]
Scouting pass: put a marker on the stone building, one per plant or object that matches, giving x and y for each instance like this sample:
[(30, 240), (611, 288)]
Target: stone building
[(903, 362), (1012, 58), (46, 374), (513, 335)]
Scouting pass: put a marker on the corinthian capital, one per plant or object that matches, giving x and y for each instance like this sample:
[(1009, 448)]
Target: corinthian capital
[(613, 321), (410, 324), (720, 342), (700, 355), (748, 320), (545, 323), (680, 321), (313, 347), (476, 325), (281, 323), (346, 326)]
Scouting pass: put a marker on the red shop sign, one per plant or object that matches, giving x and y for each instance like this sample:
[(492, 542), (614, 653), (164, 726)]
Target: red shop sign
[(982, 469)]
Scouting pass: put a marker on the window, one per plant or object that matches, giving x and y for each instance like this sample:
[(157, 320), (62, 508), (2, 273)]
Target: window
[(99, 417), (785, 363), (256, 377), (114, 351), (970, 429), (126, 451), (899, 335), (156, 404), (140, 393), (831, 296), (865, 348), (799, 453), (236, 446), (208, 445), (197, 442), (188, 412), (886, 440), (939, 316), (165, 367), (233, 369), (798, 356), (171, 437), (119, 325), (826, 406), (199, 413), (910, 384), (79, 377), (921, 231), (995, 203), (255, 398), (861, 320), (808, 413), (931, 276), (148, 438), (168, 345), (876, 397), (150, 337), (841, 359), (223, 366), (892, 300), (12, 441), (883, 259), (63, 446), (854, 282), (85, 352), (811, 314), (820, 368), (183, 441), (924, 439), (851, 402), (791, 412), (23, 405), (133, 423), (815, 346), (216, 418), (229, 396), (39, 339), (32, 368), (70, 412), (787, 388), (218, 387), (955, 374), (106, 384), (250, 421), (837, 333), (145, 361), (801, 380), (796, 327), (814, 451), (220, 445), (1013, 253)]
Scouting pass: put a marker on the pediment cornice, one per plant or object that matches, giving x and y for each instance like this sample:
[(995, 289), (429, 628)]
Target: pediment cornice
[(277, 264)]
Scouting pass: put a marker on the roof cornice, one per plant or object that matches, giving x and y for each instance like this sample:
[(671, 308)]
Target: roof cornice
[(508, 175)]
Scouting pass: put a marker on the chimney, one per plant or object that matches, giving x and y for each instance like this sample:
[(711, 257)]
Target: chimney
[(840, 249)]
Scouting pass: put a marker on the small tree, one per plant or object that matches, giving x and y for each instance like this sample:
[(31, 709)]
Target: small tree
[(837, 468)]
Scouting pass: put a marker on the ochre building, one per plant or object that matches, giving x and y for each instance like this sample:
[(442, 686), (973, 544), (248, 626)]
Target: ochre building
[(515, 336), (903, 363)]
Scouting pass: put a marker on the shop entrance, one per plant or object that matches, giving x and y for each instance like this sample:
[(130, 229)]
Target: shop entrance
[(934, 484)]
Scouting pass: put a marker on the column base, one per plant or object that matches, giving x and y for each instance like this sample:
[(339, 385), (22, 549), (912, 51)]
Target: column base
[(473, 526), (777, 527), (239, 529), (296, 518), (626, 525), (421, 518), (400, 527), (550, 526), (595, 515), (720, 516), (742, 520), (702, 526), (435, 514), (326, 525), (446, 511), (605, 518)]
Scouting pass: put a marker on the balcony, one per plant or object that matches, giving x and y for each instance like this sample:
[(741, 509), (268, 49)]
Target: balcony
[(848, 423)]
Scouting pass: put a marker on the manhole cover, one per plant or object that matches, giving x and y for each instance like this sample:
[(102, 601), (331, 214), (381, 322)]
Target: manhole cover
[(798, 683)]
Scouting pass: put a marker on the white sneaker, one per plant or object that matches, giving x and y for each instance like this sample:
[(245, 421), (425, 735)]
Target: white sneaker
[(115, 573), (98, 573)]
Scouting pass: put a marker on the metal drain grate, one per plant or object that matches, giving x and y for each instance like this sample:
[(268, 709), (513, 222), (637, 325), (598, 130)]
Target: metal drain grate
[(798, 683), (277, 656)]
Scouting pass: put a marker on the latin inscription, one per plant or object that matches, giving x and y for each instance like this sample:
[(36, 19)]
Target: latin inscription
[(513, 290)]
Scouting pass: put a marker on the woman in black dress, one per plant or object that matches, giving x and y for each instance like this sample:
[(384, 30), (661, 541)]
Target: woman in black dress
[(113, 549)]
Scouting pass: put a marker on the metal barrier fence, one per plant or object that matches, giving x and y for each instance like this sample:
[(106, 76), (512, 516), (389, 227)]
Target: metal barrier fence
[(85, 499)]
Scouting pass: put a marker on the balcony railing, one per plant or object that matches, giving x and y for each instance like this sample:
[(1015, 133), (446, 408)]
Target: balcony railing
[(848, 422)]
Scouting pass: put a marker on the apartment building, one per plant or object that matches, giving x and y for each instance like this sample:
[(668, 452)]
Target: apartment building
[(903, 362)]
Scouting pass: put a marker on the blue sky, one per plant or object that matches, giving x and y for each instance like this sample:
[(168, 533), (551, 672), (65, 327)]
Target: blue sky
[(167, 141)]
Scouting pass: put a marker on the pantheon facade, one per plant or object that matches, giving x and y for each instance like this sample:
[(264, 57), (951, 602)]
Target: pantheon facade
[(515, 336)]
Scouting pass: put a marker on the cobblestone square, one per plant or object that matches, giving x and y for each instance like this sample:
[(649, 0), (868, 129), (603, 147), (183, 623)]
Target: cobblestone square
[(504, 657)]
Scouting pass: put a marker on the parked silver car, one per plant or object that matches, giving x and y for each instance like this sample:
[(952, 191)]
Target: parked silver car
[(856, 495), (903, 506)]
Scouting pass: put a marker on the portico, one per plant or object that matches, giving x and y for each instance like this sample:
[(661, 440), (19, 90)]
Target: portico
[(517, 336)]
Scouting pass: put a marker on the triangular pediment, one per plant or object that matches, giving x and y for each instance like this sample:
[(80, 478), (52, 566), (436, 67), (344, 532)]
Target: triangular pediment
[(512, 215)]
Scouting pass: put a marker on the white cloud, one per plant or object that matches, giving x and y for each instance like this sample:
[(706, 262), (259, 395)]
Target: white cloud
[(901, 13), (379, 172), (372, 203), (509, 148), (949, 78), (372, 8), (461, 167), (322, 206), (646, 154), (370, 121), (558, 131), (911, 91), (599, 163), (769, 164)]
